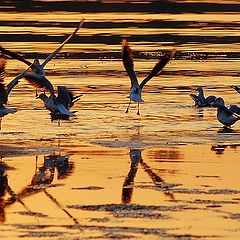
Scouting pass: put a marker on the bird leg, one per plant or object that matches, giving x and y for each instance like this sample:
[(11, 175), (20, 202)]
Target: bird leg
[(36, 160), (138, 111), (0, 123), (36, 93), (128, 106)]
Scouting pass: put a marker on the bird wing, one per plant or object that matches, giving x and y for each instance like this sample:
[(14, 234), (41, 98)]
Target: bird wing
[(15, 56), (127, 58), (235, 110), (67, 94), (158, 67), (3, 94), (15, 81), (236, 88), (230, 112), (210, 99), (63, 110), (52, 55), (64, 96), (39, 81), (194, 97)]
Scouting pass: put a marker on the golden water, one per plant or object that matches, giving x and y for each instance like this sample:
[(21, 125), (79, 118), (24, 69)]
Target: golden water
[(185, 181)]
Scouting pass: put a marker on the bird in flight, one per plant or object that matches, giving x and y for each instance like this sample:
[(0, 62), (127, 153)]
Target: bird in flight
[(37, 74), (136, 88), (5, 90)]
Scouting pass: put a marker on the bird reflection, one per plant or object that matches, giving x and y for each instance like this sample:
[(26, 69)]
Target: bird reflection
[(45, 173), (40, 182), (225, 129), (3, 189), (200, 112), (3, 179), (128, 185), (158, 181), (219, 149), (62, 164), (58, 117), (136, 157)]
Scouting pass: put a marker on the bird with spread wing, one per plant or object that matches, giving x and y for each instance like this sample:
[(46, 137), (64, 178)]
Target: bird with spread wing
[(136, 88), (5, 90), (36, 76), (57, 105)]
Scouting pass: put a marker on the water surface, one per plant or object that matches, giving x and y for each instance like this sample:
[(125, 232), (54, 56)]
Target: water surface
[(171, 172)]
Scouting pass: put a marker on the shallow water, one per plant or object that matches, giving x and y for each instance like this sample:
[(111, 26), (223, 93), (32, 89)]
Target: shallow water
[(171, 172)]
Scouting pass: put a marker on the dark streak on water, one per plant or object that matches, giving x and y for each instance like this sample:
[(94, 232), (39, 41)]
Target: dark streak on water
[(162, 6)]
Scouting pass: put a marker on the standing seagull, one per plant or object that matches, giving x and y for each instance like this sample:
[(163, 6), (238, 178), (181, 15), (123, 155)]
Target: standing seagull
[(226, 116), (200, 100), (37, 74), (59, 106), (136, 88)]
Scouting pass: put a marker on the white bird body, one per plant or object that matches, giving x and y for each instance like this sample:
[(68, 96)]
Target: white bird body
[(200, 100), (226, 116), (56, 105), (136, 94), (136, 88), (59, 105)]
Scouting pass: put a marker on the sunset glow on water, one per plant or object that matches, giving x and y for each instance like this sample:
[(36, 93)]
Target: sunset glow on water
[(170, 173)]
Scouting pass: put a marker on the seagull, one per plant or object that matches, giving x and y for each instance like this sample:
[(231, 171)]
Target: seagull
[(37, 74), (5, 90), (59, 106), (136, 88), (226, 116), (200, 100)]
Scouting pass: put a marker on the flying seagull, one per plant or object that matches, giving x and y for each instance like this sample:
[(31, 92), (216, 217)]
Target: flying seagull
[(37, 74), (136, 88), (5, 90), (59, 106)]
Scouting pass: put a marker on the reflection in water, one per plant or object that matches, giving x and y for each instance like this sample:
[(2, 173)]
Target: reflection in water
[(158, 181), (136, 157), (3, 188), (128, 185), (219, 149), (200, 112), (3, 179), (45, 173), (58, 118), (225, 129), (41, 180), (169, 154)]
